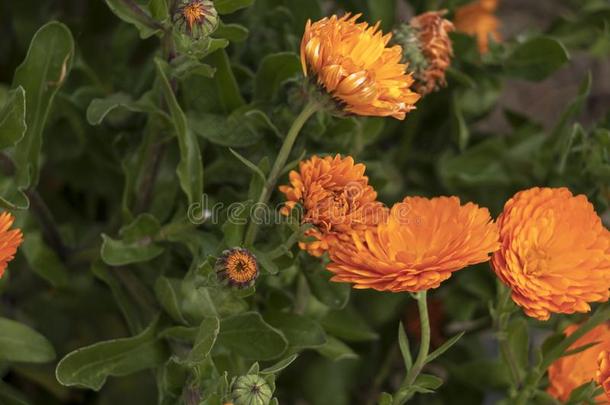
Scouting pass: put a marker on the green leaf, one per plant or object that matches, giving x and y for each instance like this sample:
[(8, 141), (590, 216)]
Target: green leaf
[(9, 396), (20, 343), (12, 118), (383, 11), (228, 89), (11, 198), (167, 291), (137, 243), (44, 261), (302, 332), (190, 168), (458, 124), (44, 70), (347, 324), (206, 337), (101, 107), (403, 343), (134, 14), (254, 168), (232, 32), (241, 128), (90, 366), (385, 399), (249, 336), (273, 71), (537, 58), (334, 295), (280, 365), (518, 340), (231, 6), (444, 347), (428, 382), (336, 350)]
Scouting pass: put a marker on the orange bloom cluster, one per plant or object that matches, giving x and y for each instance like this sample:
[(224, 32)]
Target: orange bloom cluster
[(421, 243), (478, 19), (570, 372), (336, 198), (352, 62), (10, 239), (555, 252), (602, 376), (433, 34)]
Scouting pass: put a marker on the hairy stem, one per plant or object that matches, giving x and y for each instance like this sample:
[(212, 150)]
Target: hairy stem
[(310, 109)]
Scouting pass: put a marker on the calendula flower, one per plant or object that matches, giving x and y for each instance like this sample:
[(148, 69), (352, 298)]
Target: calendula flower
[(10, 239), (570, 372), (555, 252), (478, 19), (421, 243), (427, 49), (199, 16), (237, 266), (603, 372), (351, 62), (335, 197)]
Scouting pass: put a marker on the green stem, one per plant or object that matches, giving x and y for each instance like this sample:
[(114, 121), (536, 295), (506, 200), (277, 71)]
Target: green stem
[(502, 331), (310, 109), (424, 349)]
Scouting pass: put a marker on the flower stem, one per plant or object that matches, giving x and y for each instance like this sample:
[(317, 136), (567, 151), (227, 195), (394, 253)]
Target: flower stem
[(503, 319), (404, 394), (311, 108)]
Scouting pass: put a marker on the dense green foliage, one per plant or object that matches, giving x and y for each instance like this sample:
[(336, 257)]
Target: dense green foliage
[(111, 147)]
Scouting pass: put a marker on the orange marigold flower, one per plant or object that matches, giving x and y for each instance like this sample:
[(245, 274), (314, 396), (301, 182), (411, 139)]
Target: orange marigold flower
[(433, 34), (336, 198), (352, 63), (478, 19), (237, 266), (9, 240), (418, 247), (570, 372), (603, 372), (554, 254)]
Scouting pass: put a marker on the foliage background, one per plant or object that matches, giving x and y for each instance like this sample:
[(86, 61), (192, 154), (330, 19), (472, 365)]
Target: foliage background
[(532, 112)]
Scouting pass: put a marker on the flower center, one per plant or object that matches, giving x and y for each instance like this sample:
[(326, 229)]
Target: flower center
[(536, 262)]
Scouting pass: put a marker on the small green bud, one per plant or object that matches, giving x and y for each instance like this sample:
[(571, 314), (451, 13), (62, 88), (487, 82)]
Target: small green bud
[(251, 389)]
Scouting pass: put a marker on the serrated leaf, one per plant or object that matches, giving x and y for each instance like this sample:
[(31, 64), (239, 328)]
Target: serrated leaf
[(90, 366), (20, 343)]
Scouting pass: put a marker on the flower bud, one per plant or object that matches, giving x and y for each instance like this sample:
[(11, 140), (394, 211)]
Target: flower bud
[(251, 390), (238, 267), (198, 17)]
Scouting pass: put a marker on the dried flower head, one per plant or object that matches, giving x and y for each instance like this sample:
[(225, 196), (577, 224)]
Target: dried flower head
[(10, 239), (418, 247), (570, 372), (427, 49), (478, 19), (336, 198), (351, 61), (554, 254), (603, 372), (198, 16), (238, 266)]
